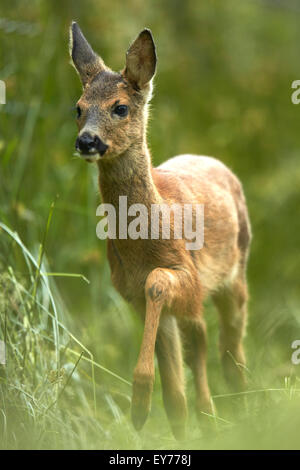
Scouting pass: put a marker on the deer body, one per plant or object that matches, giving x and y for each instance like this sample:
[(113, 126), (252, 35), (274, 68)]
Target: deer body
[(132, 260), (165, 282)]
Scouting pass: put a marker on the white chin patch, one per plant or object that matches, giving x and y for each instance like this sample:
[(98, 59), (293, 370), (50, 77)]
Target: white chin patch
[(91, 158)]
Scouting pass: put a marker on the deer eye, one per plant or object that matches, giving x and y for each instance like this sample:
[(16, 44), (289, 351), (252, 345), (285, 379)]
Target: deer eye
[(78, 110), (121, 110)]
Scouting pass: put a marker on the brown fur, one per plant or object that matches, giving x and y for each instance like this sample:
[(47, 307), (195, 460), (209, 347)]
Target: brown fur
[(165, 282)]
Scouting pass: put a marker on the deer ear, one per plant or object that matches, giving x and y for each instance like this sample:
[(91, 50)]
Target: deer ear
[(141, 60), (85, 60)]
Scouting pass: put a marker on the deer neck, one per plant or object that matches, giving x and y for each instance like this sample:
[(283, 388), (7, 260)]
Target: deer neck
[(128, 175)]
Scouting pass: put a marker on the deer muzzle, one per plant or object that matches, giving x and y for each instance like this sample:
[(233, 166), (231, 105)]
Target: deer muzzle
[(87, 144)]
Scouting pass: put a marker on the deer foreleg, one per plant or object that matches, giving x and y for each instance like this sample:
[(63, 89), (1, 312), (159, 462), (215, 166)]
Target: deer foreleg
[(162, 287)]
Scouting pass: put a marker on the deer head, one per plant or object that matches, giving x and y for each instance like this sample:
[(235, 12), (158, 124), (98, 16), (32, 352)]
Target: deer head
[(112, 111)]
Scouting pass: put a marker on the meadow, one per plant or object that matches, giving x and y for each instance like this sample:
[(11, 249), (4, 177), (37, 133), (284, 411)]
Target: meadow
[(223, 88)]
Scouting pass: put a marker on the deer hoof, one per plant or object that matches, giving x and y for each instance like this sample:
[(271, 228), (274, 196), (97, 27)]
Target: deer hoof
[(141, 401)]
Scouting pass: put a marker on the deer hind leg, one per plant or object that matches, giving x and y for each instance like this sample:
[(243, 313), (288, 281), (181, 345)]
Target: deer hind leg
[(231, 302), (194, 333), (162, 288)]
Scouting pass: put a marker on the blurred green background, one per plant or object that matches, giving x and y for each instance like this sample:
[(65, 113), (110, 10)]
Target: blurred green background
[(223, 88)]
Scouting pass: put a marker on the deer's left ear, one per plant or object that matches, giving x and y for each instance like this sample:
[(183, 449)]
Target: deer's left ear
[(141, 60), (85, 60)]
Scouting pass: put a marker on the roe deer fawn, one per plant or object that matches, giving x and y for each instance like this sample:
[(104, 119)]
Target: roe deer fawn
[(165, 282)]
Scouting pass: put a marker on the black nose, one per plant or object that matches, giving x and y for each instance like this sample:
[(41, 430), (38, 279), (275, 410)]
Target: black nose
[(88, 144)]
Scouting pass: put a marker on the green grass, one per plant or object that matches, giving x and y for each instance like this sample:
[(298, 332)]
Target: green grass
[(51, 396), (223, 88)]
